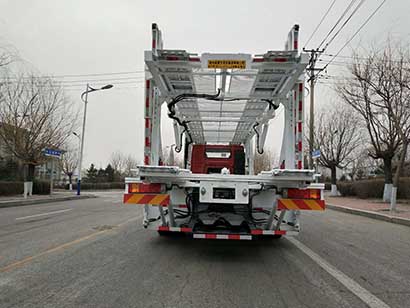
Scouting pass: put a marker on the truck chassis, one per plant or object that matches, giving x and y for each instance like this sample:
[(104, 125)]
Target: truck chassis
[(225, 99)]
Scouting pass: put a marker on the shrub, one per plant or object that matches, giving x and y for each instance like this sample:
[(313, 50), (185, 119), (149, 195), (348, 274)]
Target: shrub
[(346, 188), (41, 187), (99, 186), (372, 188), (404, 189), (369, 188), (11, 188)]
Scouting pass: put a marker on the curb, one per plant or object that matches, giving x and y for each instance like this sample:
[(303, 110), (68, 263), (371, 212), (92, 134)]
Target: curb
[(369, 214), (41, 201)]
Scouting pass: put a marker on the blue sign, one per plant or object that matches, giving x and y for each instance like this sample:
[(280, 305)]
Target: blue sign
[(316, 154), (52, 153)]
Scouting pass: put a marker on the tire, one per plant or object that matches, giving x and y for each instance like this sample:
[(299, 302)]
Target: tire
[(164, 233)]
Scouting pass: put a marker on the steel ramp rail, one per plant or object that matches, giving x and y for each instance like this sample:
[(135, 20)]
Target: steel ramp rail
[(249, 94)]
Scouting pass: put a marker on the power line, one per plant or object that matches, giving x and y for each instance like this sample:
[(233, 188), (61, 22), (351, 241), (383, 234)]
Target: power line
[(96, 74), (112, 80), (80, 80), (337, 22), (116, 88), (357, 32), (73, 84), (321, 21), (345, 23)]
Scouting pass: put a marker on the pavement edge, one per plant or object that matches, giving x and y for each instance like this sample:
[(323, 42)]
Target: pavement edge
[(41, 201), (369, 214)]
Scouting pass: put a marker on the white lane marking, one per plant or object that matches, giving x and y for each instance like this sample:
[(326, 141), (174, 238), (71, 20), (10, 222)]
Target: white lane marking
[(367, 297), (43, 214)]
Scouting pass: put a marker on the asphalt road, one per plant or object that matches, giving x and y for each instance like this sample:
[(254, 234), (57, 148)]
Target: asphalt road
[(95, 253)]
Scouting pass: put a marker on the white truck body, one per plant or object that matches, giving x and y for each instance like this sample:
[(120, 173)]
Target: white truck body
[(224, 99)]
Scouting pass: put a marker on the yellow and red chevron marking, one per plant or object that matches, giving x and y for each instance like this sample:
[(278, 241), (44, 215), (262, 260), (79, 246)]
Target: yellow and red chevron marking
[(301, 204), (153, 199)]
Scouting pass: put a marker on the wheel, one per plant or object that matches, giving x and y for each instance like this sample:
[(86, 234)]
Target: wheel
[(164, 233)]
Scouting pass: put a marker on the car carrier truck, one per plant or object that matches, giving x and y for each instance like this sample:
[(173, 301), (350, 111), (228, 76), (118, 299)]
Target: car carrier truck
[(220, 105)]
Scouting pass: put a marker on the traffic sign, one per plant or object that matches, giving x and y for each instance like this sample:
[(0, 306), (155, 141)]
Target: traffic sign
[(316, 154), (52, 153)]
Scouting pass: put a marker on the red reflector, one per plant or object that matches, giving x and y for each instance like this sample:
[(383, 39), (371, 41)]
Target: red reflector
[(304, 193), (194, 59), (280, 60), (172, 58), (144, 188), (258, 60)]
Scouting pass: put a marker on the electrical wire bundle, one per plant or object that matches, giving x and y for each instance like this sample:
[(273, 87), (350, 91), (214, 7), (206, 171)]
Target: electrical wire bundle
[(183, 123)]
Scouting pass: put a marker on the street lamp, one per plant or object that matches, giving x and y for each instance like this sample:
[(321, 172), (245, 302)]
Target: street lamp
[(84, 98)]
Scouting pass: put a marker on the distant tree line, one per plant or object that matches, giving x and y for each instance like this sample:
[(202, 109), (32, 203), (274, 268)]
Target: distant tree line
[(119, 167)]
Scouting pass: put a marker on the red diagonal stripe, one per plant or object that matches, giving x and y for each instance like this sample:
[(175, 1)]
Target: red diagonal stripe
[(146, 199), (126, 197), (165, 201), (301, 204)]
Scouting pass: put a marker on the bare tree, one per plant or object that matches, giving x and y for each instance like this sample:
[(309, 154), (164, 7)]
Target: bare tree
[(360, 164), (69, 163), (265, 161), (390, 81), (6, 56), (34, 114), (117, 161), (122, 164), (337, 135), (130, 163), (359, 91)]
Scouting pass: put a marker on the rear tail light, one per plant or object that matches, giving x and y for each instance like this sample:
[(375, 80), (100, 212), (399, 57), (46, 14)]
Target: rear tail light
[(144, 188), (304, 193)]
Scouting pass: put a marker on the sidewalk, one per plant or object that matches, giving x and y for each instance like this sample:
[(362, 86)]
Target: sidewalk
[(373, 208), (18, 200)]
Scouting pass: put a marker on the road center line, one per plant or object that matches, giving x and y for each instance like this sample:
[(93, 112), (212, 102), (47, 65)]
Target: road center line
[(64, 246), (43, 214), (368, 298)]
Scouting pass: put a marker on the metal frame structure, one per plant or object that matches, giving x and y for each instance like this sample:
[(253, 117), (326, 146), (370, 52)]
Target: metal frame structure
[(224, 99)]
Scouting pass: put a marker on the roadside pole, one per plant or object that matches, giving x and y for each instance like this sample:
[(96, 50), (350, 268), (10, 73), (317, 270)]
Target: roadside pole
[(52, 176), (314, 55), (311, 120), (315, 154), (54, 154)]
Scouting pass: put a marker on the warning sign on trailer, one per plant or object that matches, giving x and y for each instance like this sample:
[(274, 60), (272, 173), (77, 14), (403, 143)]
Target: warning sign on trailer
[(227, 64)]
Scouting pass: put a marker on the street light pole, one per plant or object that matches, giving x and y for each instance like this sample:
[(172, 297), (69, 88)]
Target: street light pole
[(84, 98), (82, 142)]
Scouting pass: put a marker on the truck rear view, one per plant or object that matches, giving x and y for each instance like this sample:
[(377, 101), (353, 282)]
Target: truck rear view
[(221, 105)]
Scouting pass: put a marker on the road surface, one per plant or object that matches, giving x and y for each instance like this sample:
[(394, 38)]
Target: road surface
[(95, 253)]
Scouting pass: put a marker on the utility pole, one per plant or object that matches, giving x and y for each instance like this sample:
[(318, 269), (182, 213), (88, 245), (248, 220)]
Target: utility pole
[(314, 54)]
